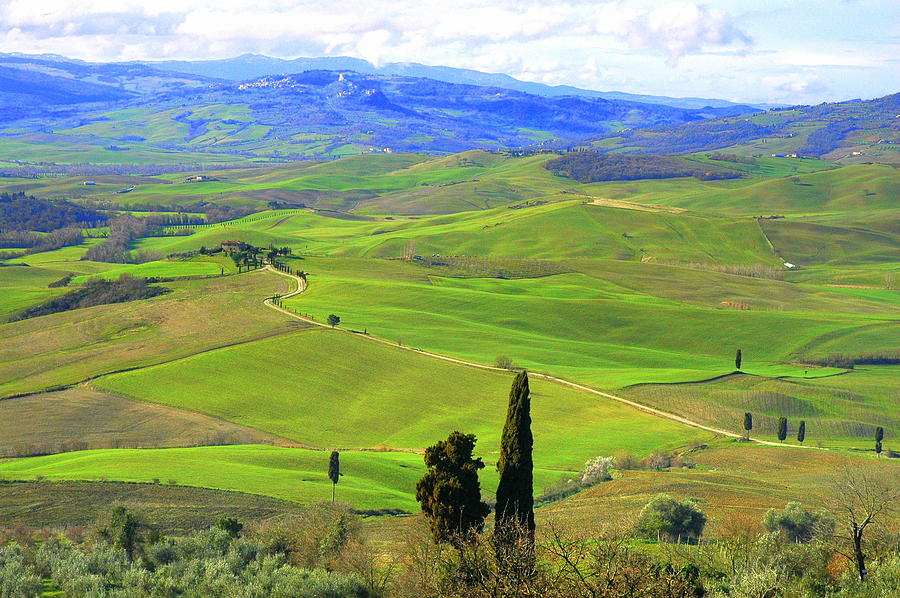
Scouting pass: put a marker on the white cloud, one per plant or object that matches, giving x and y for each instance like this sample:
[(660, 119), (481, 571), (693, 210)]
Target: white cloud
[(648, 46)]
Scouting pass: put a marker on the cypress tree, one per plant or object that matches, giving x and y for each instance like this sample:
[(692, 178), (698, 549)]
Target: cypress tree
[(737, 360), (801, 432), (782, 428), (748, 424), (334, 471), (878, 447), (515, 492), (450, 493), (879, 434)]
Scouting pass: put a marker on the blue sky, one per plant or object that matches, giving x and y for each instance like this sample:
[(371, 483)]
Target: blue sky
[(801, 51)]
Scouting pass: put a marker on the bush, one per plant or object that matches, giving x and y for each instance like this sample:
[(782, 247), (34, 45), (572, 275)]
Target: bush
[(596, 470), (17, 579), (670, 519), (796, 524)]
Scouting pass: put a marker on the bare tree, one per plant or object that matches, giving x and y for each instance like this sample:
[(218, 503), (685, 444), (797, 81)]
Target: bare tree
[(862, 498)]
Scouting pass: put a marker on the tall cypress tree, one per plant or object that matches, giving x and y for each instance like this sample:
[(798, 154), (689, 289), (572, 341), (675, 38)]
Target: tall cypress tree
[(801, 432), (782, 428), (748, 425), (515, 492), (737, 360)]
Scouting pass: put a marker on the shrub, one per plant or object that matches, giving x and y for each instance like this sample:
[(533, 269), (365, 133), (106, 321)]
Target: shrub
[(670, 519), (796, 524), (596, 470), (658, 461), (17, 579)]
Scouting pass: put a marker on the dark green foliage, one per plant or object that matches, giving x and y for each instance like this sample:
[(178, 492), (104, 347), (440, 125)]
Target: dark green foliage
[(748, 423), (95, 292), (450, 493), (334, 471), (230, 525), (515, 492), (879, 434), (62, 282), (801, 431), (782, 428), (796, 524), (670, 519), (124, 530), (878, 447), (333, 320), (19, 212), (737, 360), (592, 167)]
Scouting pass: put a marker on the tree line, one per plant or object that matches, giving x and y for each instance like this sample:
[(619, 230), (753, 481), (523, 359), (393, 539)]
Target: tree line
[(20, 212), (592, 167), (95, 292)]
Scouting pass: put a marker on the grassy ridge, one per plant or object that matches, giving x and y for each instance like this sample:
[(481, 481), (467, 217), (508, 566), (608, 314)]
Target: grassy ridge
[(384, 396), (574, 325), (371, 480)]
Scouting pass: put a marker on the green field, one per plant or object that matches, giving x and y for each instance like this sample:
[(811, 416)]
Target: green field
[(641, 288), (371, 480)]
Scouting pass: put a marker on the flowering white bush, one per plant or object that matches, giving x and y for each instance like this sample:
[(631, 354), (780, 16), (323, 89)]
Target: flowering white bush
[(597, 470)]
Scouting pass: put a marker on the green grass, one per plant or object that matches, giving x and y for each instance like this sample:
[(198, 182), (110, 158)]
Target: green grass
[(22, 287), (68, 347), (385, 396), (370, 481), (573, 325), (173, 268)]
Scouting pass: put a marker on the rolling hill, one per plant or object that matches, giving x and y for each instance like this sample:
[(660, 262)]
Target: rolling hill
[(129, 112)]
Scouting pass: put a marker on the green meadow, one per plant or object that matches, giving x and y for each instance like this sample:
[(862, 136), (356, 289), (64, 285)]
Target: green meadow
[(642, 288), (371, 480)]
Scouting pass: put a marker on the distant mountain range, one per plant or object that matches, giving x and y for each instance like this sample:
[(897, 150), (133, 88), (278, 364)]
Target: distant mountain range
[(313, 113), (139, 113), (251, 66)]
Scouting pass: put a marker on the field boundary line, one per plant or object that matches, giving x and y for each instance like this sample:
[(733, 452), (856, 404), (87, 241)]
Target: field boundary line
[(302, 285)]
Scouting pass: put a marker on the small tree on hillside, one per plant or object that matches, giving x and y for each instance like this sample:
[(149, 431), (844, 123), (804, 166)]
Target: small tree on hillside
[(801, 431), (796, 524), (782, 428), (334, 472), (737, 360), (333, 320), (669, 519), (450, 493), (861, 499), (124, 531), (748, 425), (879, 436)]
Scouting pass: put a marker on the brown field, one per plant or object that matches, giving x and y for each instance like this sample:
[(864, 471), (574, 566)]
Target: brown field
[(171, 509), (80, 419)]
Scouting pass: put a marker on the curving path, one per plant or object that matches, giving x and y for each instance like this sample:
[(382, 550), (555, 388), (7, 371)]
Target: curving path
[(302, 286)]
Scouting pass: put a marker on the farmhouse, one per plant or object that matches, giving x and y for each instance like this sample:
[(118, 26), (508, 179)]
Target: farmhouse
[(230, 246)]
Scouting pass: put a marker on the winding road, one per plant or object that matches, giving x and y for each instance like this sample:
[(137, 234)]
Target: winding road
[(302, 286)]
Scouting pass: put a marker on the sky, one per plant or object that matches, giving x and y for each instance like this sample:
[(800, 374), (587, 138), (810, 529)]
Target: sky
[(779, 51)]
